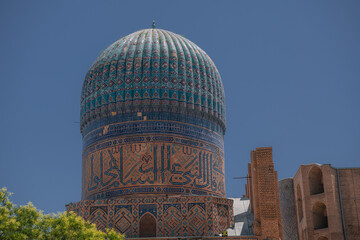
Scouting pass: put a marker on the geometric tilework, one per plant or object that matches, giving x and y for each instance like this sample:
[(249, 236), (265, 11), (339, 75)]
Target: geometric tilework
[(173, 219), (98, 215), (152, 69), (175, 215), (122, 219), (152, 127), (147, 208), (179, 117), (222, 220), (197, 219)]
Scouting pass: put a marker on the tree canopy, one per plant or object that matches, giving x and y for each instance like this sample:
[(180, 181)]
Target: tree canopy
[(26, 222)]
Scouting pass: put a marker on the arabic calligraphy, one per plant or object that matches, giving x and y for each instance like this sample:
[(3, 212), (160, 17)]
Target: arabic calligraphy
[(153, 164)]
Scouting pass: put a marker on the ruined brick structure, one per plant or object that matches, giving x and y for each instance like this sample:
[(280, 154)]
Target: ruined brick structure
[(327, 202), (319, 203), (262, 189)]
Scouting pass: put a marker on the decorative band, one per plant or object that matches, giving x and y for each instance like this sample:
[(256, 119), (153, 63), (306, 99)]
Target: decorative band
[(151, 190), (177, 116), (140, 128)]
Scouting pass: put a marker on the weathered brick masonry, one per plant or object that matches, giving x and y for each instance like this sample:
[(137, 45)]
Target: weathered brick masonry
[(262, 189)]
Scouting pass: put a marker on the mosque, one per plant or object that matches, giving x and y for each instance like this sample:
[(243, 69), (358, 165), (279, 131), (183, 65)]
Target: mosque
[(153, 125)]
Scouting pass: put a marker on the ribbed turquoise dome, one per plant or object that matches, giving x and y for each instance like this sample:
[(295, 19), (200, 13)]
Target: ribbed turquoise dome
[(153, 70)]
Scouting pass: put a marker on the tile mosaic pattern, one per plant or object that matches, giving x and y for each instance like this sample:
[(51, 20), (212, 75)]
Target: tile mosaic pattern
[(180, 117), (152, 164), (140, 128), (153, 70), (287, 208), (175, 216)]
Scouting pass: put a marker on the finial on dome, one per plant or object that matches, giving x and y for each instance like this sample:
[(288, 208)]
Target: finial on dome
[(153, 25)]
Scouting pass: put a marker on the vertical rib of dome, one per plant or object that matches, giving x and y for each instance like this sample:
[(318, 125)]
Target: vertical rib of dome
[(155, 71), (180, 72), (189, 76), (173, 71), (146, 62), (137, 78), (164, 70), (194, 70)]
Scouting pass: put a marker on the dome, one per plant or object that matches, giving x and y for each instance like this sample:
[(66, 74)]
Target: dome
[(153, 70), (152, 119)]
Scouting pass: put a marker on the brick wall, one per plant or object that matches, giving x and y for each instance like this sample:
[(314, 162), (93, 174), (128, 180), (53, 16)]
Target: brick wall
[(350, 196), (263, 191), (288, 209), (312, 199)]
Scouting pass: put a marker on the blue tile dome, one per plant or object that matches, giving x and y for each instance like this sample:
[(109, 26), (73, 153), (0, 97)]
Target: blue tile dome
[(153, 120), (153, 71)]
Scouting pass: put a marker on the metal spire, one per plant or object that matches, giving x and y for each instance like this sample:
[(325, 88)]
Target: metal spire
[(153, 25)]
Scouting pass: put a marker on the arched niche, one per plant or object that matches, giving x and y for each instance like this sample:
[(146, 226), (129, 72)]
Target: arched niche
[(147, 225), (320, 219), (299, 202), (323, 238), (316, 181)]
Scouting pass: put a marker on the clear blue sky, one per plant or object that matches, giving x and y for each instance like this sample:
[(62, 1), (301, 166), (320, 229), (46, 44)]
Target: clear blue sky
[(291, 72)]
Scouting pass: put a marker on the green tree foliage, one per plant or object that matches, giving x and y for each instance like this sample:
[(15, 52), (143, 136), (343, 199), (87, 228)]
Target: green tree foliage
[(26, 222)]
